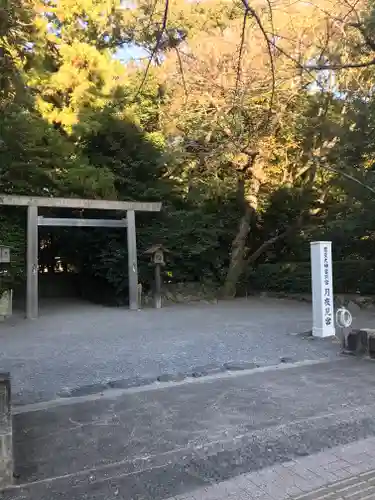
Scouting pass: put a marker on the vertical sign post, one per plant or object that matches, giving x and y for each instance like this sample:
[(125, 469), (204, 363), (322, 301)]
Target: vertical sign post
[(322, 290)]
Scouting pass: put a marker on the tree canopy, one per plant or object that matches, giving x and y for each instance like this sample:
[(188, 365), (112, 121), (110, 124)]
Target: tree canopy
[(252, 122)]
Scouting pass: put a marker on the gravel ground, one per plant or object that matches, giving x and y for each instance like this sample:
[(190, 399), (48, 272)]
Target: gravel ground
[(77, 344)]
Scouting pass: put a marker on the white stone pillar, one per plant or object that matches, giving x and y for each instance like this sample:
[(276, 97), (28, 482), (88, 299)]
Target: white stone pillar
[(322, 290)]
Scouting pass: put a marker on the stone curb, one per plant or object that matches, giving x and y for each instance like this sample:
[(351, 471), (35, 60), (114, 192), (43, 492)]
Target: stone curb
[(6, 432), (196, 372), (360, 343)]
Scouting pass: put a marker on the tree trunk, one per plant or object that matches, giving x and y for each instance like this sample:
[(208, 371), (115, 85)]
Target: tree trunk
[(249, 189), (237, 256)]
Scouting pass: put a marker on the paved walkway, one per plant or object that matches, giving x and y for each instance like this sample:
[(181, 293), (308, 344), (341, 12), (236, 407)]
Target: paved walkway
[(341, 473), (272, 433)]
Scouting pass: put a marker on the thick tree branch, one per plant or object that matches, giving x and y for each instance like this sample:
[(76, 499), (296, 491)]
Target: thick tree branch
[(265, 246), (347, 176), (181, 72), (278, 237), (250, 11), (156, 47), (337, 67), (240, 52)]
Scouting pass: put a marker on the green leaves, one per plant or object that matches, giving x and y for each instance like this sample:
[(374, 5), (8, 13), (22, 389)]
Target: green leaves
[(74, 123), (37, 159), (12, 234)]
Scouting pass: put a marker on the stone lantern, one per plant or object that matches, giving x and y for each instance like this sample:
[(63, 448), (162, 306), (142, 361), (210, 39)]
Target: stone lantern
[(6, 294), (157, 254), (4, 254)]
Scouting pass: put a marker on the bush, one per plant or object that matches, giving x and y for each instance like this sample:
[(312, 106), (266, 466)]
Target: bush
[(348, 277), (13, 234)]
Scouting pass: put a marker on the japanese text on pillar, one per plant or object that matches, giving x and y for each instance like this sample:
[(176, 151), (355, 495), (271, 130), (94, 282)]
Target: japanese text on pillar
[(327, 289)]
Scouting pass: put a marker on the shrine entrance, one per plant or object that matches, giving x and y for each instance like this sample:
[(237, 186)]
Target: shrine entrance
[(34, 220)]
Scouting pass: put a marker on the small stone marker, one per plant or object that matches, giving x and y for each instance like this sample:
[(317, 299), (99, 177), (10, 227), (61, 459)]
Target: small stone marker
[(286, 360), (171, 377), (202, 371), (240, 365)]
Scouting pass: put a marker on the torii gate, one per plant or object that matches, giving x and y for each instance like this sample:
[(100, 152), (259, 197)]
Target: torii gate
[(33, 221)]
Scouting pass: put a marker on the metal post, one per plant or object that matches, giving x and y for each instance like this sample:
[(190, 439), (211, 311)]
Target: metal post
[(132, 260), (32, 263)]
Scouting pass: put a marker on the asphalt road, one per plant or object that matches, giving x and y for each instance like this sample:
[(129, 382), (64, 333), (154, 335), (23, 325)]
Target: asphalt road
[(155, 443)]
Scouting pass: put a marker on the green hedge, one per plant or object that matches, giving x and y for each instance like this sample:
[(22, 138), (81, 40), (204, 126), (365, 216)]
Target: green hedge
[(12, 234), (348, 277)]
